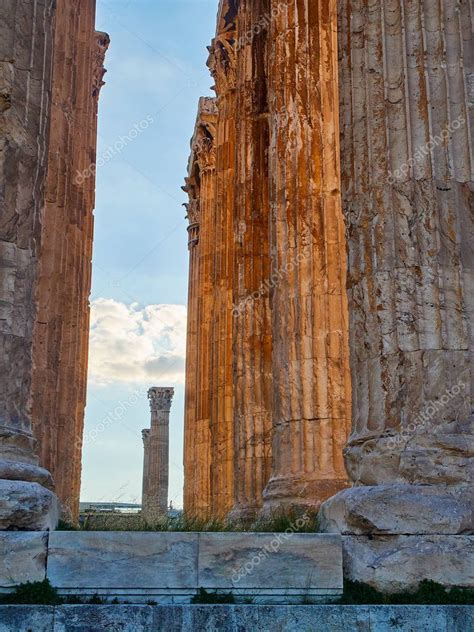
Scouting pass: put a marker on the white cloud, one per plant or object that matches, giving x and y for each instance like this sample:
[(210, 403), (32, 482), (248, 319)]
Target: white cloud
[(133, 344)]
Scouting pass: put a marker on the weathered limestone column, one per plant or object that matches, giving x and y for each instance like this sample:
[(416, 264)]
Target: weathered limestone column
[(156, 455), (200, 183), (61, 333), (311, 406), (222, 65), (407, 177), (191, 454), (252, 337), (26, 37)]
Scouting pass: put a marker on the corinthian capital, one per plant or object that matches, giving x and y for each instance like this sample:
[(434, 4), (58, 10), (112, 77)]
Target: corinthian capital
[(102, 42), (193, 211), (160, 399), (222, 62), (205, 152)]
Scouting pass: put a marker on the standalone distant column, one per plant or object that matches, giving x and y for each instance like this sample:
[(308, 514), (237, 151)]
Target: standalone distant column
[(156, 454)]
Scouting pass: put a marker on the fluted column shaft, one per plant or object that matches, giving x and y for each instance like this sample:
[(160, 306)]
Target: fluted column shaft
[(251, 285), (191, 455), (206, 160), (25, 73), (222, 64), (62, 326), (200, 186), (156, 455), (311, 407), (407, 182)]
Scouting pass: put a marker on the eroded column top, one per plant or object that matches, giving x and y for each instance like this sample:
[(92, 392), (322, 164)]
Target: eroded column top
[(160, 398)]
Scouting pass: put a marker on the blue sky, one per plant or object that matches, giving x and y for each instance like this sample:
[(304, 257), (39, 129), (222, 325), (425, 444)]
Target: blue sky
[(155, 74)]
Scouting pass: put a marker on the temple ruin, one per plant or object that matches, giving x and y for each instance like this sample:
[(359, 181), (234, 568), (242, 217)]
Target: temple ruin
[(267, 302), (330, 217), (331, 272), (156, 453)]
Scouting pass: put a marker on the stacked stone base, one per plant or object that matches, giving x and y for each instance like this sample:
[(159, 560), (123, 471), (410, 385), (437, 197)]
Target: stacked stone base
[(27, 501), (395, 536)]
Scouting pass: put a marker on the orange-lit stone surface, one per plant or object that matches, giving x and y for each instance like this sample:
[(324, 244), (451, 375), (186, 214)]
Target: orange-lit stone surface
[(279, 382)]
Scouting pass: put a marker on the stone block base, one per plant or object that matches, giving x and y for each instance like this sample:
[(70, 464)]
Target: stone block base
[(299, 493), (400, 509), (237, 618), (398, 563), (169, 568), (26, 506)]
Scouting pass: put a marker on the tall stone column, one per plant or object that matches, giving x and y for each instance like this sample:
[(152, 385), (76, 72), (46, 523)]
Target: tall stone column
[(61, 333), (406, 77), (311, 405), (26, 28), (252, 336), (222, 66), (200, 185), (191, 452), (156, 455)]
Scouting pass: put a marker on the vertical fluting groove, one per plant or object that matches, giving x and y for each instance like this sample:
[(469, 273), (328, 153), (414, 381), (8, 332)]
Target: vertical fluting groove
[(200, 186), (309, 305), (64, 283), (252, 359), (407, 284)]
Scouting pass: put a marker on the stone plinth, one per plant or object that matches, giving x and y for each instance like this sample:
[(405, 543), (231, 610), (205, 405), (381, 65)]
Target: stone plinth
[(236, 618), (23, 557), (171, 567)]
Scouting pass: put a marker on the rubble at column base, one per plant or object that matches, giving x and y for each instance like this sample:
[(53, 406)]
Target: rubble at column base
[(27, 506), (400, 509)]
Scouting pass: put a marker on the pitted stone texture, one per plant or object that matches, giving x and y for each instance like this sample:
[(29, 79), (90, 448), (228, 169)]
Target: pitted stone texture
[(398, 563), (27, 506), (26, 618), (93, 618), (400, 509), (237, 618), (23, 558)]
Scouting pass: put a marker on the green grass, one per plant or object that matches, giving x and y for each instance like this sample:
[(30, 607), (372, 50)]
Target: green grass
[(428, 593), (277, 522), (37, 593), (204, 597)]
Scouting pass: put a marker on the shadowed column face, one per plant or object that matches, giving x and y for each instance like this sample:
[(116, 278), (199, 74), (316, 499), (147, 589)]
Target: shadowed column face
[(61, 333), (406, 71), (156, 454), (25, 76)]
